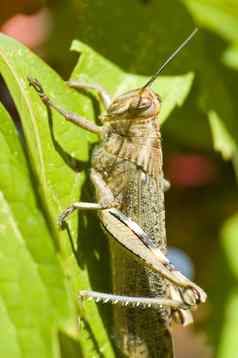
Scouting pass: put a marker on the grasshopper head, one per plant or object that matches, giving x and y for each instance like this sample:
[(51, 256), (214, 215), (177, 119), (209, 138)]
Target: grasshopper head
[(135, 104)]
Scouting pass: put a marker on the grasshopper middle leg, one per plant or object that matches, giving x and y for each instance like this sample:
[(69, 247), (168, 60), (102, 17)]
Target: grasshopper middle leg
[(106, 198), (102, 93)]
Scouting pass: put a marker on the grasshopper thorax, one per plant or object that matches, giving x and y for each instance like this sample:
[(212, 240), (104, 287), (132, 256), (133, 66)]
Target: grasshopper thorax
[(135, 105)]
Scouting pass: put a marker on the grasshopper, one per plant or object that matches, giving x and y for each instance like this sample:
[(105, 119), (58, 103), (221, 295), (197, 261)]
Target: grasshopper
[(127, 173)]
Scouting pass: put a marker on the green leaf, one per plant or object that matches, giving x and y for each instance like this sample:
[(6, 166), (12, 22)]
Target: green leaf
[(229, 242), (220, 16), (230, 56), (222, 140), (33, 298), (57, 184), (228, 343), (28, 314)]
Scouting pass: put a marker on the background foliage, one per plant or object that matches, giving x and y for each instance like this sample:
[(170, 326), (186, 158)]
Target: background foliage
[(44, 164)]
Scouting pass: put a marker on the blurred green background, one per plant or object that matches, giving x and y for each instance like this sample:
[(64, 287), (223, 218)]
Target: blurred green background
[(199, 139)]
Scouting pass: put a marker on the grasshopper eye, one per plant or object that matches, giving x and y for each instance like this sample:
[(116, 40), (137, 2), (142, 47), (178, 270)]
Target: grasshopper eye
[(140, 104)]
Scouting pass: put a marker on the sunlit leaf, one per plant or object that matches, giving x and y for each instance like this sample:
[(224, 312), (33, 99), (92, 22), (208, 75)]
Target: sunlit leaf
[(34, 299)]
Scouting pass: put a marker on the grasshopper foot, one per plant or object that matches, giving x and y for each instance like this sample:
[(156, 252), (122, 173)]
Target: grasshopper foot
[(64, 215), (199, 294), (39, 89), (194, 295)]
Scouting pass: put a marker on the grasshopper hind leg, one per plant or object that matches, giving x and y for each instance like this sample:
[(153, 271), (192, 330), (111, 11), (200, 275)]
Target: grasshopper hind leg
[(144, 302)]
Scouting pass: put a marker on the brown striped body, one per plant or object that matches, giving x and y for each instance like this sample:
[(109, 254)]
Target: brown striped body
[(130, 162)]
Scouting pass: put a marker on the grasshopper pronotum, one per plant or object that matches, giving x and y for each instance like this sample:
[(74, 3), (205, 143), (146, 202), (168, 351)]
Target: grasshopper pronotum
[(128, 178)]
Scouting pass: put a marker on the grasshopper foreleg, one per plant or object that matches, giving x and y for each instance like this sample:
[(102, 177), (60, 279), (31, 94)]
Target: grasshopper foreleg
[(69, 116)]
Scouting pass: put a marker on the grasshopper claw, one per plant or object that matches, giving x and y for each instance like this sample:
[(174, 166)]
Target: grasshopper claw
[(199, 294), (35, 84), (38, 87), (64, 215), (61, 222), (194, 296)]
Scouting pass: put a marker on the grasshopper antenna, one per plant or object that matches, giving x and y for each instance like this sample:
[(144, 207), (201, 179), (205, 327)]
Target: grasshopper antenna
[(169, 59)]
